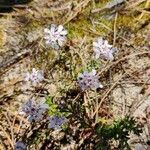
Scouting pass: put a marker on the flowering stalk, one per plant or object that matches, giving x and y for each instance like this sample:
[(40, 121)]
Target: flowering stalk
[(55, 36), (34, 111), (89, 80), (35, 77), (103, 49)]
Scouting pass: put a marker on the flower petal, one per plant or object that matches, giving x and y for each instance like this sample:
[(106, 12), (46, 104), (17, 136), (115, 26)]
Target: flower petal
[(60, 28), (95, 44)]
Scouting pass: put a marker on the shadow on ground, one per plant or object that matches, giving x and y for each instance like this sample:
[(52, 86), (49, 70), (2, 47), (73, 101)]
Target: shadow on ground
[(7, 5)]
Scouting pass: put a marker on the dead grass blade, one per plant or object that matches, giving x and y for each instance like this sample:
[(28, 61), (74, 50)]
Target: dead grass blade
[(106, 94)]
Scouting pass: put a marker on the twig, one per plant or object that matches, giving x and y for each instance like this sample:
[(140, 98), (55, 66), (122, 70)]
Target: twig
[(109, 29), (15, 6), (115, 29), (10, 125), (89, 103), (106, 94), (109, 6), (78, 9), (146, 6), (122, 59), (135, 104), (86, 105), (7, 136), (15, 58), (131, 6)]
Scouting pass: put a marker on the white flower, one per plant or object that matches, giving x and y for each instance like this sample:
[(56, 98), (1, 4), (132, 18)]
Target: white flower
[(103, 49), (89, 80), (34, 77), (55, 36)]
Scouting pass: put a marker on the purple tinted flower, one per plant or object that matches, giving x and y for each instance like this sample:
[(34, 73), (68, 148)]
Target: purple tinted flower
[(20, 146), (34, 111), (103, 49), (56, 122), (55, 36), (34, 77), (88, 80), (139, 147)]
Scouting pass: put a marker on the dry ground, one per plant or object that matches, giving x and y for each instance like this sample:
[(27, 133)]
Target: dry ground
[(126, 80)]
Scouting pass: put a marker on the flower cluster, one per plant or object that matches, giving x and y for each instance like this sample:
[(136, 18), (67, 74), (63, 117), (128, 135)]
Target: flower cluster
[(34, 111), (103, 49), (34, 77), (56, 122), (88, 80), (139, 147), (55, 36), (20, 146)]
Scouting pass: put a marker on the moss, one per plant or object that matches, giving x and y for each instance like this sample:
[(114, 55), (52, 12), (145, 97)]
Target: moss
[(82, 25), (77, 28), (101, 3), (125, 20), (33, 24)]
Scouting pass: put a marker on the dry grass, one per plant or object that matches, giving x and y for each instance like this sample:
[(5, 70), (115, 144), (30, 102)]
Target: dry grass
[(130, 36)]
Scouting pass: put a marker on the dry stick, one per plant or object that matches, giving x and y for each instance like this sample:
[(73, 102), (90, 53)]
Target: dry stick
[(1, 145), (109, 29), (115, 29), (131, 82), (20, 124), (11, 127), (106, 94), (131, 6), (80, 56), (124, 103), (13, 113), (90, 103), (76, 97), (86, 104), (146, 6), (137, 103), (122, 59), (146, 82), (14, 6), (15, 116), (78, 9), (108, 6), (7, 136), (13, 123)]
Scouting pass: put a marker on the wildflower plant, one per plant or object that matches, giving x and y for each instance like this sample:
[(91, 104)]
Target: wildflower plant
[(56, 117), (103, 49), (88, 80), (74, 108), (55, 36), (35, 77), (34, 111), (55, 122), (119, 131), (20, 146)]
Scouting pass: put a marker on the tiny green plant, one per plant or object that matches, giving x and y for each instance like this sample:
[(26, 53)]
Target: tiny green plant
[(119, 131)]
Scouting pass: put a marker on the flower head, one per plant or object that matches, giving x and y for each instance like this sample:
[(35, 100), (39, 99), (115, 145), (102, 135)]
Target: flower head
[(139, 147), (88, 80), (103, 49), (20, 146), (55, 36), (56, 122), (34, 111), (34, 77)]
